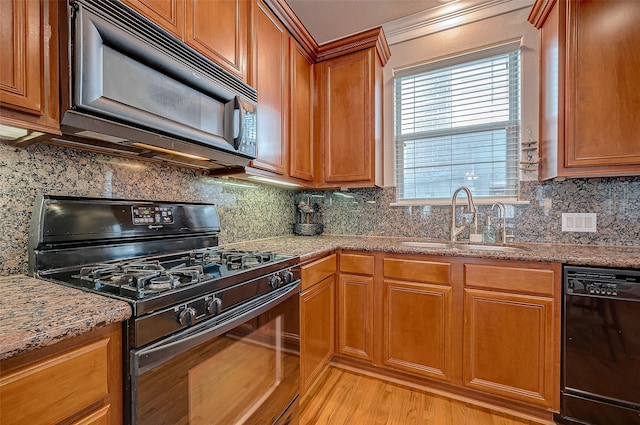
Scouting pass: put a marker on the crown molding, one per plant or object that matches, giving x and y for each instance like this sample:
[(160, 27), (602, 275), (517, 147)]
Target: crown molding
[(447, 16), (374, 37), (293, 24), (540, 11)]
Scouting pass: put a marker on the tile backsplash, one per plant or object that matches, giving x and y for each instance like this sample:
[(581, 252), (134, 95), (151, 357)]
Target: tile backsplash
[(252, 211), (247, 210), (616, 201)]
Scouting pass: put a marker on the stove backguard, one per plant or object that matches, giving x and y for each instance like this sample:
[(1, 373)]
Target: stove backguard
[(72, 231)]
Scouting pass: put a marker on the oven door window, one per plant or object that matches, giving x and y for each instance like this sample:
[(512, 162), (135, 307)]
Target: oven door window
[(246, 375)]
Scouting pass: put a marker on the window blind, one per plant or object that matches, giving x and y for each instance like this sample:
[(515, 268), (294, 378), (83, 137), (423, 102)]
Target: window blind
[(457, 123)]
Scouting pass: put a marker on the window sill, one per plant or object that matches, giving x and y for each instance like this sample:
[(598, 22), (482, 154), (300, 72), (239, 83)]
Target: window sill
[(461, 201)]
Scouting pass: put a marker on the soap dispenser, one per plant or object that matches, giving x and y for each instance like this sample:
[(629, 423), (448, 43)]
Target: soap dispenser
[(489, 233)]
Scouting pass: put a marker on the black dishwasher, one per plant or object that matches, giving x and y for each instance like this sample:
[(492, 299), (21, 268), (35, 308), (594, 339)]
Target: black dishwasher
[(601, 347)]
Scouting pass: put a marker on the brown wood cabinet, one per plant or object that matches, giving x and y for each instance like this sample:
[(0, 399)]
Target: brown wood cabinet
[(317, 319), (219, 30), (355, 306), (77, 381), (349, 137), (300, 110), (589, 87), (169, 14), (271, 49), (417, 308), (481, 328), (29, 71), (511, 331)]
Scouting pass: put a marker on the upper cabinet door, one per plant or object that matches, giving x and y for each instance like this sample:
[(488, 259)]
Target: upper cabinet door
[(169, 14), (604, 90), (219, 30), (301, 114), (271, 82), (350, 102), (589, 87), (29, 69)]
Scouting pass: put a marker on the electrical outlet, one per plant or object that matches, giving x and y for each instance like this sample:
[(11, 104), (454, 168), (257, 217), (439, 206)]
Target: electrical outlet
[(579, 222)]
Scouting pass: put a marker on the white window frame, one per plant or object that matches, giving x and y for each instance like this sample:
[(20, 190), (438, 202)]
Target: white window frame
[(511, 125)]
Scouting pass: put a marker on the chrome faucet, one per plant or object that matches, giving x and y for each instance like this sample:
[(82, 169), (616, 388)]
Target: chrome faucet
[(455, 230), (502, 213)]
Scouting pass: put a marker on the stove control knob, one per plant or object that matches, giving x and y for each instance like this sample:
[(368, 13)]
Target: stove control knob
[(275, 281), (214, 306), (287, 276), (187, 316)]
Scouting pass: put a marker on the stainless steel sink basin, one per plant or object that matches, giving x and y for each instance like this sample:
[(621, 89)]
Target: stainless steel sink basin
[(503, 248), (463, 246), (445, 245)]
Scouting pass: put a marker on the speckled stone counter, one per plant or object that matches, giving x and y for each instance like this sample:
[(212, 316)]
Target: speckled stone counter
[(35, 313), (308, 247)]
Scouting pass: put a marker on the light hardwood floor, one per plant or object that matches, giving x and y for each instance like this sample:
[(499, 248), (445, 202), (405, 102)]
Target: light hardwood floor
[(342, 397)]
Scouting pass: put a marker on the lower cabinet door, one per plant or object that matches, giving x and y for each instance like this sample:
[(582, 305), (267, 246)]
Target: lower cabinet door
[(508, 345), (355, 316), (417, 328), (317, 335)]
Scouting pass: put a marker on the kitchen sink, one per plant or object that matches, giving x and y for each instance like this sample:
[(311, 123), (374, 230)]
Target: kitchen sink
[(464, 246)]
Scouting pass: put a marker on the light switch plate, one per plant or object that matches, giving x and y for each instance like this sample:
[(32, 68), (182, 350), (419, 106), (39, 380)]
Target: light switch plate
[(579, 222)]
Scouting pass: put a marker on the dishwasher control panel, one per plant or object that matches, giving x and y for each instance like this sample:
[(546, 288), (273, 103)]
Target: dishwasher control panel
[(618, 283)]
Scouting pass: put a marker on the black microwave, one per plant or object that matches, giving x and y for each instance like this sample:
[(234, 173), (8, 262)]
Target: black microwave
[(136, 87)]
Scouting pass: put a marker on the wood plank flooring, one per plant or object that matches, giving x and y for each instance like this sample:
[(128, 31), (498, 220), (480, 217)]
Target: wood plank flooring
[(342, 397)]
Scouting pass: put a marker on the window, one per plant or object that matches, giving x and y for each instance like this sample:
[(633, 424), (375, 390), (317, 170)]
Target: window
[(457, 123)]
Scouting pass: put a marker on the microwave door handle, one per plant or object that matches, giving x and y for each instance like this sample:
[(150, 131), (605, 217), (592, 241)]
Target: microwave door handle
[(238, 115), (147, 358)]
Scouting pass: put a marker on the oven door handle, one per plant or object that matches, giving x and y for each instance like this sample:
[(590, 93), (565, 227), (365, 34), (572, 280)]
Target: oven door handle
[(147, 358)]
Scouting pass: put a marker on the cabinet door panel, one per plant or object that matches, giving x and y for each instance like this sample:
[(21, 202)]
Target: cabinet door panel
[(29, 71), (219, 30), (301, 118), (417, 328), (604, 94), (355, 316), (508, 345), (317, 335), (20, 35), (80, 376), (348, 128), (270, 81), (169, 14)]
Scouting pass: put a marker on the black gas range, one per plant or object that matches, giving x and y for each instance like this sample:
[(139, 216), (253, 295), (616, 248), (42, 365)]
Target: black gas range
[(207, 320), (161, 257)]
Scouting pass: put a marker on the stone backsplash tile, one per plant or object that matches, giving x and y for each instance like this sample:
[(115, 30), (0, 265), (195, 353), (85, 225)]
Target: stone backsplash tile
[(616, 201), (250, 211), (247, 210)]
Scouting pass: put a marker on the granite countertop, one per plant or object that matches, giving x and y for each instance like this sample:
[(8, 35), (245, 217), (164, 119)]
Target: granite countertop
[(308, 247), (35, 313)]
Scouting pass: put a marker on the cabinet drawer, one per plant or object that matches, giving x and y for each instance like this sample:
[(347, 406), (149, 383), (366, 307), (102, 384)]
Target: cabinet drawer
[(51, 390), (100, 417), (313, 273), (417, 271), (356, 263), (535, 281)]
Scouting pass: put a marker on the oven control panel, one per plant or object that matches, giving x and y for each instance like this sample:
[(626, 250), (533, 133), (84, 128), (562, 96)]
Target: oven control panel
[(152, 214), (165, 322)]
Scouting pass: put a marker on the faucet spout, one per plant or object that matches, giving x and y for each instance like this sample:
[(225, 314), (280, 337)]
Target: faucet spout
[(502, 215), (457, 230)]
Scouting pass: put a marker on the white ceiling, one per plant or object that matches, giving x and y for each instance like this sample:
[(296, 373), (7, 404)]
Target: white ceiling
[(328, 20)]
